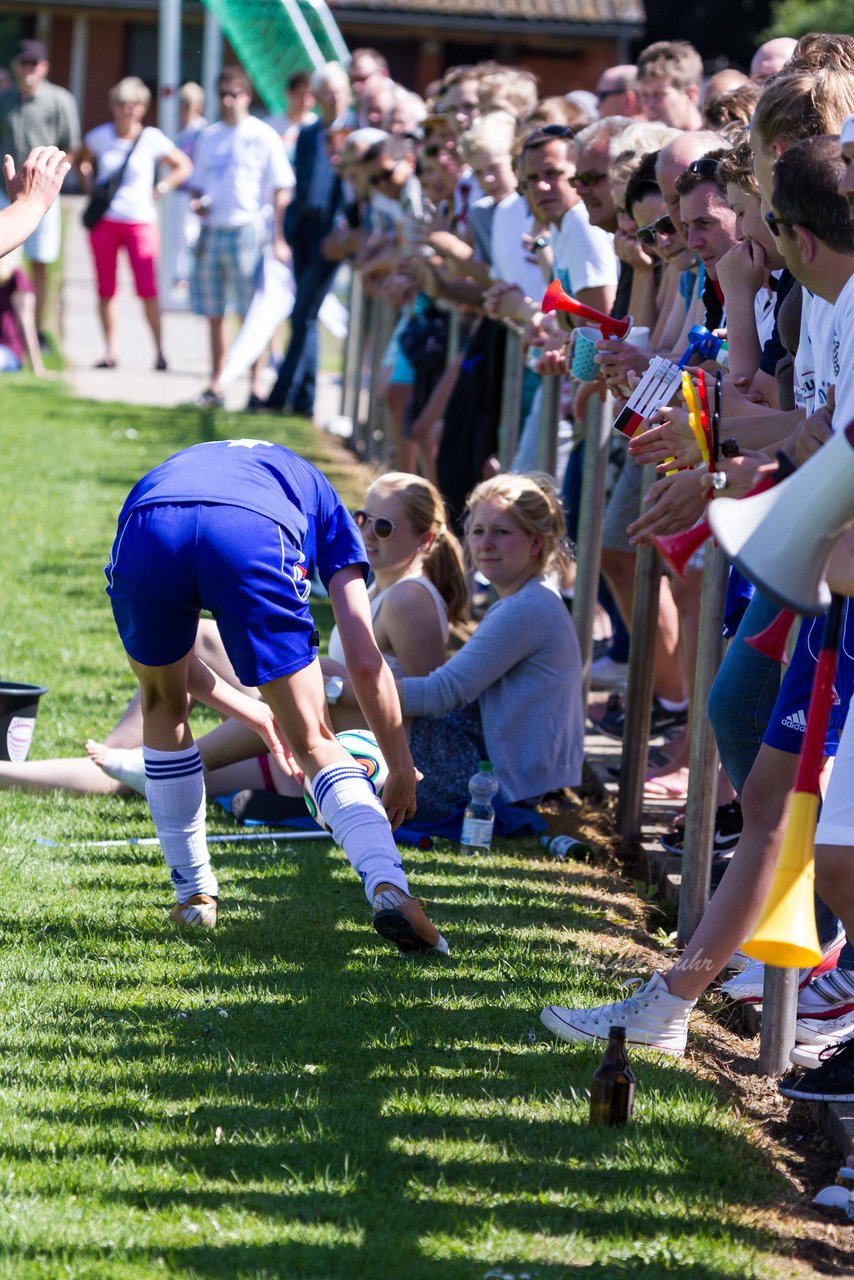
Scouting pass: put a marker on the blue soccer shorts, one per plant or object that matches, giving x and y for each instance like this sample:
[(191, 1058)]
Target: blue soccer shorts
[(170, 561), (788, 721)]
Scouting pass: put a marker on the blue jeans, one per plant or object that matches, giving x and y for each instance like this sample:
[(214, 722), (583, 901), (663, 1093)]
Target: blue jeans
[(743, 695), (295, 384)]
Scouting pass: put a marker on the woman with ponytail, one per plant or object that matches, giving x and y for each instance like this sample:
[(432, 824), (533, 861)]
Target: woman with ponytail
[(419, 580)]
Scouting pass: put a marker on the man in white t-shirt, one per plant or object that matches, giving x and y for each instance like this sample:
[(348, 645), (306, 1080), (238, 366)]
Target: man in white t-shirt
[(241, 174), (816, 238)]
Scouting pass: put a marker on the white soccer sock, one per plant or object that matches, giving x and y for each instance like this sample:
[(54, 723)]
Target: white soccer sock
[(359, 824), (175, 790), (126, 765)]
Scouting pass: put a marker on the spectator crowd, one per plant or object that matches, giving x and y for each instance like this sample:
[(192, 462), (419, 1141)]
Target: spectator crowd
[(665, 199)]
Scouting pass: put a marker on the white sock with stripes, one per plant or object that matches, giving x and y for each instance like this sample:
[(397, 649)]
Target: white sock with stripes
[(175, 790), (359, 824)]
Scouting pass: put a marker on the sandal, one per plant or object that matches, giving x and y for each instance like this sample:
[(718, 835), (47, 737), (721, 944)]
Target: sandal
[(107, 363)]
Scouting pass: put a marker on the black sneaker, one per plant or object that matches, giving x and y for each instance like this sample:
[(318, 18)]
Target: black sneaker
[(209, 400), (728, 824), (833, 1081), (257, 404), (662, 721)]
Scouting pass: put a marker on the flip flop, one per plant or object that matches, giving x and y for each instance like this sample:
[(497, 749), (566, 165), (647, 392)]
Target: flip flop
[(658, 789)]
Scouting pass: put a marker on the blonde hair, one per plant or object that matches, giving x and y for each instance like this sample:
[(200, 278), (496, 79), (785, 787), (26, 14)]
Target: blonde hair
[(804, 104), (533, 502), (131, 89), (443, 559), (493, 132)]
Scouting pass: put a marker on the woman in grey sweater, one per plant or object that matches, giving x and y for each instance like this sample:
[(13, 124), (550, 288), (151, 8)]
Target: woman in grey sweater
[(512, 694)]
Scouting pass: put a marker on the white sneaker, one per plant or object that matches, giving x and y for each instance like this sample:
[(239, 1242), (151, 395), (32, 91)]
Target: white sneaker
[(652, 1016), (605, 673), (822, 1031)]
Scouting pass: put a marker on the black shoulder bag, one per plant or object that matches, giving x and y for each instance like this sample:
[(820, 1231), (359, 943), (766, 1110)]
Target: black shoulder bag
[(103, 193)]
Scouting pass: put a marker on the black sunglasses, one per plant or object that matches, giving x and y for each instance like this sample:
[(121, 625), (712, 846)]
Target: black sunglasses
[(544, 131), (383, 527), (589, 178), (384, 175), (775, 222), (705, 167), (662, 226)]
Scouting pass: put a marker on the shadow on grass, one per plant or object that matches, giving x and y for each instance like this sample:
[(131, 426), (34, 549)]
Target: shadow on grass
[(341, 1092)]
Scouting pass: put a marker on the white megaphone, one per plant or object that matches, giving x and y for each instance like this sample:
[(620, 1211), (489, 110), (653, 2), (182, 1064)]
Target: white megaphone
[(782, 539)]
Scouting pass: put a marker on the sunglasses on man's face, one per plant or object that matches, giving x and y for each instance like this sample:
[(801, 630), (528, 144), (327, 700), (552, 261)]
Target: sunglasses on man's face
[(775, 222), (384, 175), (589, 178), (383, 527), (662, 226)]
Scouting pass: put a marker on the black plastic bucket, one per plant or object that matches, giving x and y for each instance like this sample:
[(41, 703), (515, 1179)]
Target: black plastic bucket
[(18, 706)]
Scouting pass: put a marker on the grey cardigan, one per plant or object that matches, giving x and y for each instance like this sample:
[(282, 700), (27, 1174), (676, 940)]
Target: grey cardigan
[(523, 666)]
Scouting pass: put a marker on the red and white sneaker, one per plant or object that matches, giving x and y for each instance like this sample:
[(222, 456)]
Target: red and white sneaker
[(828, 996), (747, 986)]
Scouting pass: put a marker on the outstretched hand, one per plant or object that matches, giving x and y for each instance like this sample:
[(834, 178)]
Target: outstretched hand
[(40, 177)]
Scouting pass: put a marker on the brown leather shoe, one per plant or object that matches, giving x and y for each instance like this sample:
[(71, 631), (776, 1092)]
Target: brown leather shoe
[(199, 912)]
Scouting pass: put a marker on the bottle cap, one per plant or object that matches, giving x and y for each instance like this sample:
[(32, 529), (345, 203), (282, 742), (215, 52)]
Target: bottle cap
[(617, 1033), (485, 766)]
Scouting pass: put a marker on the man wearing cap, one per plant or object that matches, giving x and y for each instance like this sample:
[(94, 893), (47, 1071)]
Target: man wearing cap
[(36, 113)]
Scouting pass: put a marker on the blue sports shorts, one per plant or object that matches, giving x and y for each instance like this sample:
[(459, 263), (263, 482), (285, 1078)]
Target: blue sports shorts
[(170, 561), (788, 721)]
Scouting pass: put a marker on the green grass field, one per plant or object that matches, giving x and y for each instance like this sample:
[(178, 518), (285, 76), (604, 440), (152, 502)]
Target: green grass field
[(285, 1097)]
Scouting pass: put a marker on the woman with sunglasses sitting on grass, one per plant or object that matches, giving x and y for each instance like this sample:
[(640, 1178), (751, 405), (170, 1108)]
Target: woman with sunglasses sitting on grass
[(512, 693)]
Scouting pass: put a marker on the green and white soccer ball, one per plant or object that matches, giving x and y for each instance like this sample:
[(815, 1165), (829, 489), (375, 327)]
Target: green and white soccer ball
[(363, 747)]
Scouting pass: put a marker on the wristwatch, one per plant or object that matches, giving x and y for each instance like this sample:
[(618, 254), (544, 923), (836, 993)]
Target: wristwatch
[(334, 689), (541, 242)]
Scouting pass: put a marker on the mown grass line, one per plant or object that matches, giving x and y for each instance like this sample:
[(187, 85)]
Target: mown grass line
[(285, 1097)]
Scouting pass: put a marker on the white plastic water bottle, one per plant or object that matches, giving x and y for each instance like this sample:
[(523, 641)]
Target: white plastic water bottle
[(479, 817)]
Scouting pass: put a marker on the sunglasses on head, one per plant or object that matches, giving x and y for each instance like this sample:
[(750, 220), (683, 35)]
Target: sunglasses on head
[(383, 527), (544, 131), (662, 226), (589, 178), (705, 167)]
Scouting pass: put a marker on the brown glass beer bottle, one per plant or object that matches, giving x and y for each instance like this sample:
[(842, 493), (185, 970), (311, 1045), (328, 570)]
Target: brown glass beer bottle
[(613, 1090)]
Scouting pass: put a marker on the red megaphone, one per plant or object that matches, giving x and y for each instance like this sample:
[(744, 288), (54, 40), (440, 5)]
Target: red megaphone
[(556, 298), (771, 642), (676, 549)]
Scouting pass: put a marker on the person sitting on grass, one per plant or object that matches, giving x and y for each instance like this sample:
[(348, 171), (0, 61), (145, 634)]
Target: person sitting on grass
[(19, 339), (239, 527), (512, 694), (419, 584)]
